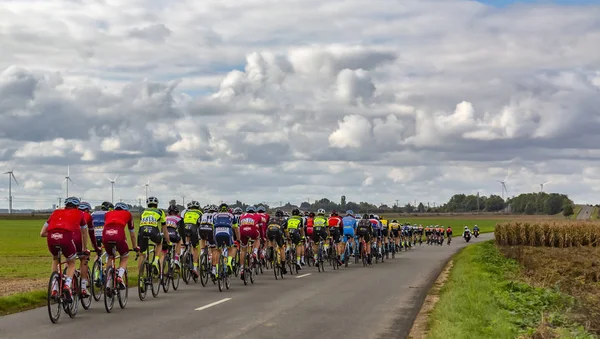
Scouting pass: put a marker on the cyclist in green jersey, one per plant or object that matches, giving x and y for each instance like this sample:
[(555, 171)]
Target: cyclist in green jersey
[(151, 219)]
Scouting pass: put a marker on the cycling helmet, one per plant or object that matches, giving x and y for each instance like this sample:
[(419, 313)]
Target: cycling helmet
[(173, 209), (72, 202), (223, 207), (365, 216), (250, 209), (237, 210), (123, 206), (334, 213), (350, 212), (152, 201), (85, 206), (320, 211), (261, 209), (466, 227), (193, 205), (106, 206), (311, 214), (295, 211), (394, 222), (279, 213), (306, 213)]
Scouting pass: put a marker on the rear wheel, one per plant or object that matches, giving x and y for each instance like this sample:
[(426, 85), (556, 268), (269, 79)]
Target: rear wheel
[(155, 280), (75, 290), (185, 272), (142, 279), (124, 292), (176, 276), (96, 283), (86, 301), (109, 292), (54, 307), (166, 284), (203, 269)]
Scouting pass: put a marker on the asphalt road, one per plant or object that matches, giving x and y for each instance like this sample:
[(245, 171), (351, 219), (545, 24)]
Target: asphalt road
[(585, 212), (380, 301)]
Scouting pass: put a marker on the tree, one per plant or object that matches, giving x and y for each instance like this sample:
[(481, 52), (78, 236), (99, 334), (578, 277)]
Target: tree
[(568, 210), (409, 208), (421, 208), (494, 203), (530, 209), (553, 204)]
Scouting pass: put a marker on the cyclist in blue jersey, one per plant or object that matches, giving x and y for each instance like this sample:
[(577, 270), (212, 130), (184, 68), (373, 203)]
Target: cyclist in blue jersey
[(349, 224), (223, 226), (98, 220)]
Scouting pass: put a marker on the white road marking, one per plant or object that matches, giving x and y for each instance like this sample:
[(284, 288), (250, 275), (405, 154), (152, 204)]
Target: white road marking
[(212, 304), (304, 275)]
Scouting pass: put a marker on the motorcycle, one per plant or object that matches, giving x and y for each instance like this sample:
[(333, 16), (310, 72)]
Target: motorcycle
[(467, 237)]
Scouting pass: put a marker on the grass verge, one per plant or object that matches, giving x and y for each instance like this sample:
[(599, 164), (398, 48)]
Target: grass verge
[(484, 298)]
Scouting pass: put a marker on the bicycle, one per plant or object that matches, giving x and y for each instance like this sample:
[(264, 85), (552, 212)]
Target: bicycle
[(97, 281), (309, 252), (204, 266), (347, 252), (321, 256), (222, 271), (62, 299), (333, 259), (290, 257), (362, 250), (149, 274), (86, 300), (171, 270), (112, 287), (275, 256), (187, 264)]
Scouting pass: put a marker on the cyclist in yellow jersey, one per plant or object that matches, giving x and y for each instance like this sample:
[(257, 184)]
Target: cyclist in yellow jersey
[(385, 233), (320, 231), (395, 232), (191, 222), (151, 219), (294, 230)]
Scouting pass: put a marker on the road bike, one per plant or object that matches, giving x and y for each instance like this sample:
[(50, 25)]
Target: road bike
[(321, 256), (187, 264), (149, 274), (204, 266), (111, 287), (222, 277), (61, 300), (171, 270), (98, 271)]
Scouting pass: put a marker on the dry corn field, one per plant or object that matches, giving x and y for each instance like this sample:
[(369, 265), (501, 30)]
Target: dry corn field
[(548, 233)]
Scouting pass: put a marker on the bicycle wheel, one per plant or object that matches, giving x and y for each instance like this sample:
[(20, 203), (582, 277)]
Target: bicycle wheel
[(96, 283), (253, 270), (54, 303), (176, 276), (184, 272), (155, 280), (203, 271), (164, 281), (220, 281), (86, 301), (225, 274), (109, 291), (245, 271), (123, 295), (75, 291), (143, 278)]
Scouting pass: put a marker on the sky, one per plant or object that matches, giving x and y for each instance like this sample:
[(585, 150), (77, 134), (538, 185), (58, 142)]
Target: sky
[(294, 100)]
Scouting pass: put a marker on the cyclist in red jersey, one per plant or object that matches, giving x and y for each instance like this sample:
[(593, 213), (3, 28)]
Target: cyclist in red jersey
[(85, 208), (248, 225), (336, 230), (115, 222), (264, 221), (61, 228)]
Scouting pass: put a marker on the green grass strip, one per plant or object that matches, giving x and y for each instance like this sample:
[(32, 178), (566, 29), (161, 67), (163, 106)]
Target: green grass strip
[(483, 299)]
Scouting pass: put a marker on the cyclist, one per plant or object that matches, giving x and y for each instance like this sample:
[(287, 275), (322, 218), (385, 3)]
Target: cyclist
[(175, 226), (249, 222), (98, 220), (61, 229), (376, 232), (237, 212), (365, 232), (335, 231), (151, 219), (264, 221), (395, 234), (449, 231), (476, 230), (385, 232), (85, 207), (275, 234), (223, 226), (114, 230), (192, 234), (349, 223), (320, 231), (295, 232), (466, 231)]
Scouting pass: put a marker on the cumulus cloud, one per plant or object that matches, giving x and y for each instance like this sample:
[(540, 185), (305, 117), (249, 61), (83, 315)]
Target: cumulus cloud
[(299, 100)]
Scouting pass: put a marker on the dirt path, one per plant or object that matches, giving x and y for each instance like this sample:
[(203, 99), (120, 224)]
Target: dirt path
[(10, 286)]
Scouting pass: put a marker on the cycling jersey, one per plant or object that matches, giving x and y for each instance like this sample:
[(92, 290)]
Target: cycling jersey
[(223, 224), (119, 218), (98, 222), (394, 225), (294, 222), (152, 217), (249, 227), (68, 219), (206, 218), (319, 222)]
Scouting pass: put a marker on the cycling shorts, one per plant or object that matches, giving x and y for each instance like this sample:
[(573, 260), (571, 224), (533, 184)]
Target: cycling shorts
[(385, 232), (395, 233), (64, 240), (206, 232), (348, 231), (364, 233), (248, 232), (376, 232), (173, 236), (223, 236), (275, 234), (191, 231), (335, 233), (319, 233), (309, 230), (295, 236), (115, 237), (148, 233)]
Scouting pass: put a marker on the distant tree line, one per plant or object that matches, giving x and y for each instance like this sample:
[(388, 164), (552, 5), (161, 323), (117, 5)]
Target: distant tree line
[(526, 203)]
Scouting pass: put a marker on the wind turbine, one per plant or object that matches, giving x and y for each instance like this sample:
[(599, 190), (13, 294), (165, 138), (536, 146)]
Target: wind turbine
[(112, 188), (67, 179), (503, 185), (11, 177), (542, 186)]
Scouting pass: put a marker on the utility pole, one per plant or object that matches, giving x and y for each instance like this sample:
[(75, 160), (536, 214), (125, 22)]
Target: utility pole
[(59, 201), (183, 199), (397, 205)]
